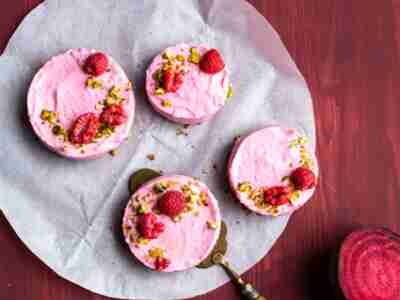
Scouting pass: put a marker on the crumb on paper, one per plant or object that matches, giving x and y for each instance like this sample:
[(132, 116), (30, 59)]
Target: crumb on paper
[(151, 157), (181, 131)]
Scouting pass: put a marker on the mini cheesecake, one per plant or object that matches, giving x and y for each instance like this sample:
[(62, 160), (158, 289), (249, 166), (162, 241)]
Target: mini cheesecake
[(172, 223), (188, 84), (273, 171), (81, 104)]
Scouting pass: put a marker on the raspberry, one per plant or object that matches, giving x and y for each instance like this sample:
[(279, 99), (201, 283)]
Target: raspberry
[(162, 263), (278, 195), (114, 115), (84, 129), (303, 178), (172, 203), (148, 226), (212, 62), (96, 64), (172, 81)]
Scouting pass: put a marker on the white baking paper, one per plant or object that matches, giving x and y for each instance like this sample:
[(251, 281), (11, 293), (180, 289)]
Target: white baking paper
[(69, 213)]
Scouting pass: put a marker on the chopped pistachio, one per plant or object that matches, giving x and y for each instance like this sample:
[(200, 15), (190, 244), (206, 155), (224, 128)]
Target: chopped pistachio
[(94, 83), (110, 101), (99, 106), (151, 157), (160, 91), (160, 187), (177, 219), (142, 209), (295, 196), (58, 130), (245, 187), (203, 198), (190, 206), (114, 92), (230, 92), (48, 116), (129, 85), (285, 178), (156, 252), (180, 57), (194, 57), (168, 55), (212, 225), (142, 241), (158, 76), (104, 131), (114, 152), (167, 103)]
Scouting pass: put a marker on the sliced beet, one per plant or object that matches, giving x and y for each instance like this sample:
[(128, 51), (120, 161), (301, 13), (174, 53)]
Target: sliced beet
[(369, 265)]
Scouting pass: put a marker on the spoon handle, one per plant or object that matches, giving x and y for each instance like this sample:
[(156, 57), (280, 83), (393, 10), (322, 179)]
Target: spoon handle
[(247, 290)]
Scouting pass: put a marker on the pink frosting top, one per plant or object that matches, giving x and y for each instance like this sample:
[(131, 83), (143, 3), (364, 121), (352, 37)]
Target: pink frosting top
[(60, 87), (264, 159), (198, 99), (186, 242)]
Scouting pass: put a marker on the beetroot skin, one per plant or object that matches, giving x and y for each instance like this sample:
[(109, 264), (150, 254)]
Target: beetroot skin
[(369, 265)]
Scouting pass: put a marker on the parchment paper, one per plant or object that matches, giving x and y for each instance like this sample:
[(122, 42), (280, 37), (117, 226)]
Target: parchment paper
[(69, 213)]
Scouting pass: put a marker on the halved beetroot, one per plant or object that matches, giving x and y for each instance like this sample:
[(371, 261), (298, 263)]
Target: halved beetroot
[(369, 265)]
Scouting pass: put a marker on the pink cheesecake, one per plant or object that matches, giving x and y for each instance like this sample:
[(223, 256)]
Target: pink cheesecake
[(188, 84), (273, 171), (172, 223), (81, 104)]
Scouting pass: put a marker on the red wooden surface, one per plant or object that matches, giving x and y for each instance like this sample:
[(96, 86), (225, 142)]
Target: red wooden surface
[(348, 51)]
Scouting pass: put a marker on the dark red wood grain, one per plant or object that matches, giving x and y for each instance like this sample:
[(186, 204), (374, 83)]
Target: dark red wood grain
[(348, 50)]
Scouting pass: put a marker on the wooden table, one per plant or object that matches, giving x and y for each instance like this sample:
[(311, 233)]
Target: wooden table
[(348, 51)]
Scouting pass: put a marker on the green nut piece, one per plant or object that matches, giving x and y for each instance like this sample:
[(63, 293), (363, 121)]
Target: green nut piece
[(194, 57)]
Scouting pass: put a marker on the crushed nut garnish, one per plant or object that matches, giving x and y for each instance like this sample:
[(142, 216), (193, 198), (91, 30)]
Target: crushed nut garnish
[(104, 131), (294, 196), (151, 157), (142, 209), (194, 57), (230, 92), (142, 241), (212, 225), (203, 199), (167, 103), (129, 86), (156, 252), (94, 83), (181, 131), (245, 187), (58, 131), (48, 116), (114, 152), (180, 57), (160, 187), (160, 91)]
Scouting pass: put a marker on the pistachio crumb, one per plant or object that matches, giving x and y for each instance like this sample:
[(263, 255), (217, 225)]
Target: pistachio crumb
[(180, 58), (166, 103), (114, 152), (156, 252), (142, 241), (151, 157), (94, 83), (159, 91), (160, 187), (142, 209), (194, 57), (212, 224), (229, 93)]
